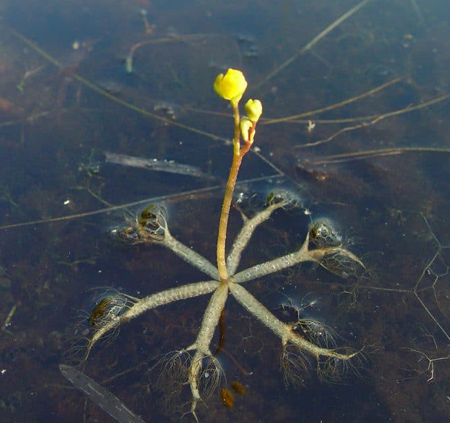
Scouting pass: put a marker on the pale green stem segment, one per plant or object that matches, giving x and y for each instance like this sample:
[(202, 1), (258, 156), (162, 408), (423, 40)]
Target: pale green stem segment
[(203, 341), (275, 265), (190, 256), (292, 259), (246, 233), (283, 330), (152, 301)]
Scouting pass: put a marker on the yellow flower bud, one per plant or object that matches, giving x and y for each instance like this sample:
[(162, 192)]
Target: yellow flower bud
[(247, 129), (253, 108), (230, 86)]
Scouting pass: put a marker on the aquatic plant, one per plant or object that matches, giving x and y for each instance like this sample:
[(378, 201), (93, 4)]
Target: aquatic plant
[(303, 342)]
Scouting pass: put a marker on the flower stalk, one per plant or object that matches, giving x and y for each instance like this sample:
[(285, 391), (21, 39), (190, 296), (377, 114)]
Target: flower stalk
[(231, 86)]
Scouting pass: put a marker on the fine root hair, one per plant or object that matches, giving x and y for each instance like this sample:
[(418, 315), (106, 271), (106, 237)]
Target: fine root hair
[(336, 370), (316, 332), (342, 264), (171, 373), (212, 377), (295, 365)]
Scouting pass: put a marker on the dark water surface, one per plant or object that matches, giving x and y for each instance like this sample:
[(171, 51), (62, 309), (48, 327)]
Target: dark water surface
[(376, 164)]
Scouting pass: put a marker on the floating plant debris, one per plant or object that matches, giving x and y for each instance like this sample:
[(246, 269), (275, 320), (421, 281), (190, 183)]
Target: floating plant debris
[(107, 401), (168, 166)]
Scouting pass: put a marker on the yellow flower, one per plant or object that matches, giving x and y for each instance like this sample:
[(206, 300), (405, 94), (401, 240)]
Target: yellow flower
[(230, 86), (253, 108)]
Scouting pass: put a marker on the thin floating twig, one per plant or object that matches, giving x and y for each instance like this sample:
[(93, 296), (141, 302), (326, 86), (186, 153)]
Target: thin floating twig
[(93, 87), (313, 42), (341, 131), (368, 154), (176, 197), (376, 119), (332, 106)]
